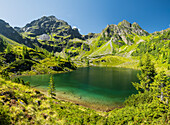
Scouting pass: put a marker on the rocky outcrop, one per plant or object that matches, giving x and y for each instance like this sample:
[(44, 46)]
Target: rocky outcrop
[(122, 31), (75, 33), (48, 25), (89, 36), (44, 37)]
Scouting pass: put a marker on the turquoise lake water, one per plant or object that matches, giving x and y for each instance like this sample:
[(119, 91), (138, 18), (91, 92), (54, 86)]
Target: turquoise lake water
[(99, 85)]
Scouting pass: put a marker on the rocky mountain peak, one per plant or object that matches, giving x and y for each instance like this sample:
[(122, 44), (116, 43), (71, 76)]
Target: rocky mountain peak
[(125, 23), (48, 25), (49, 19), (43, 25), (125, 27), (136, 25), (122, 31)]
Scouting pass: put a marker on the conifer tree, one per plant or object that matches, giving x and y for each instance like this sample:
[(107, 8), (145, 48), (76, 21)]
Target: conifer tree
[(168, 57), (163, 57), (140, 61), (68, 58), (161, 87), (54, 58), (59, 58), (52, 53), (49, 55), (8, 49), (147, 75), (51, 90), (5, 75), (36, 49), (157, 49), (25, 54), (87, 62)]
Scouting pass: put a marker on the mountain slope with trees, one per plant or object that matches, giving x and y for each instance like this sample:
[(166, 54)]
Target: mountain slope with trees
[(49, 45), (21, 104)]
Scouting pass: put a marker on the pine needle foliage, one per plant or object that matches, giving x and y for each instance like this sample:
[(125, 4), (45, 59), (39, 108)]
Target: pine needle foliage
[(51, 90)]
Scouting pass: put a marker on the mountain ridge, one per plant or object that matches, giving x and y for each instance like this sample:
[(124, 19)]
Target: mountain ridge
[(57, 35), (48, 25)]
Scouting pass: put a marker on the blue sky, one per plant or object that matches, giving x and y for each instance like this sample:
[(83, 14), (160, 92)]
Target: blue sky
[(90, 15)]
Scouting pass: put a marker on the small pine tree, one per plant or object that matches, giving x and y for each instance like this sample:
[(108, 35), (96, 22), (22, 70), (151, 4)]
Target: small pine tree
[(36, 49), (52, 54), (113, 51), (22, 82), (147, 75), (157, 49), (154, 47), (59, 59), (51, 90), (55, 58), (140, 61), (25, 53), (16, 80), (163, 57), (87, 62), (8, 49), (168, 68), (5, 75), (49, 55), (161, 87), (168, 57), (68, 58)]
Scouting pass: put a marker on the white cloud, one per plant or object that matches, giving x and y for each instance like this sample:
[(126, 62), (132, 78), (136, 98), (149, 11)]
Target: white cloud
[(76, 27)]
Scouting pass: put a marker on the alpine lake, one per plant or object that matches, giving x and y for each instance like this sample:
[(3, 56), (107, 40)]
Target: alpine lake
[(101, 88)]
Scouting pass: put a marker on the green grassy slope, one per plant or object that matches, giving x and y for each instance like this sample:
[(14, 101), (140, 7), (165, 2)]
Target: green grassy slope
[(157, 45), (17, 60)]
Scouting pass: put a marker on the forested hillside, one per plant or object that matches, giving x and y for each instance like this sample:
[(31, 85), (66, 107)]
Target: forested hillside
[(49, 45), (21, 104)]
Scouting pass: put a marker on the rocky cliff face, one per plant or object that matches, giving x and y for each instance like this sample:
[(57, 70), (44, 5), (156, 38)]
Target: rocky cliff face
[(48, 25), (122, 31)]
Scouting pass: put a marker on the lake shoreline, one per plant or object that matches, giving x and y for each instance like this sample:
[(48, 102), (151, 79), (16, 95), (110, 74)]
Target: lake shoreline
[(98, 93), (59, 72), (74, 70), (63, 96)]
